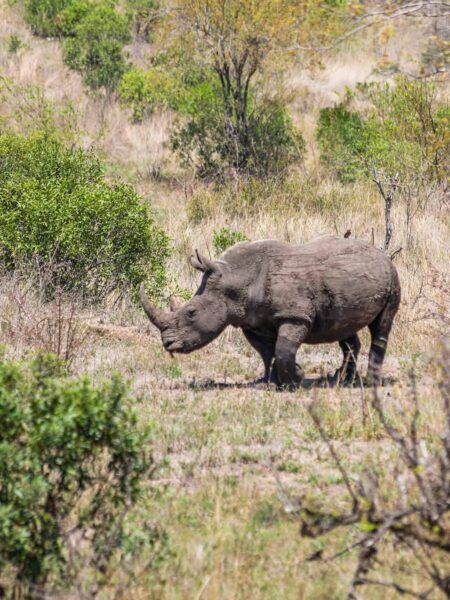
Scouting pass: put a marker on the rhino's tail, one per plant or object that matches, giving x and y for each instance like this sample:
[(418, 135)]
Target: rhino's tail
[(380, 329)]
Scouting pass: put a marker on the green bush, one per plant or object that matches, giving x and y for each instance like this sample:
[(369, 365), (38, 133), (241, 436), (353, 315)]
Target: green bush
[(214, 144), (209, 137), (69, 19), (341, 136), (59, 214), (42, 15), (95, 46), (95, 33), (73, 461), (225, 238), (144, 90), (180, 87), (409, 128), (405, 130)]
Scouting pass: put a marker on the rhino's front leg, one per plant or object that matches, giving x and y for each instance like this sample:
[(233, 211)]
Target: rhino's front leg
[(290, 336)]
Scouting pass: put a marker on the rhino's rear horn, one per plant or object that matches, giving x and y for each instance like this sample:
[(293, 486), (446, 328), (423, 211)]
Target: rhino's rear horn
[(156, 316), (174, 304), (201, 263)]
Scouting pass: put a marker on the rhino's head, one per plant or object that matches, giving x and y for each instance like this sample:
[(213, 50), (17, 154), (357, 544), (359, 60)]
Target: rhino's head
[(200, 320)]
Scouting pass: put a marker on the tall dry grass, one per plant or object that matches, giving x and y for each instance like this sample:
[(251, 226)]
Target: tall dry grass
[(223, 439)]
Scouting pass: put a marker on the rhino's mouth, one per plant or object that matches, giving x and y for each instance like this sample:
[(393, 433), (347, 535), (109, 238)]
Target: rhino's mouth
[(173, 346), (183, 348)]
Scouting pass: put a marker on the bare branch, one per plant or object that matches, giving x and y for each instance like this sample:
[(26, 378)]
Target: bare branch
[(388, 197), (374, 18)]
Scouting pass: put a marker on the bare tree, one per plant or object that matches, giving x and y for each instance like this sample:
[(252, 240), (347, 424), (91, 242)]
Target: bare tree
[(409, 509), (387, 189), (384, 12)]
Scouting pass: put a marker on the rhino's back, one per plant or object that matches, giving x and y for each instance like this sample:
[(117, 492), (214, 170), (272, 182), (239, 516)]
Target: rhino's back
[(341, 284)]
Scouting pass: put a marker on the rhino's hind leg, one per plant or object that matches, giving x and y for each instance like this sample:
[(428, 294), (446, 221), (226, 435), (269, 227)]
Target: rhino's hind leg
[(346, 374), (380, 329)]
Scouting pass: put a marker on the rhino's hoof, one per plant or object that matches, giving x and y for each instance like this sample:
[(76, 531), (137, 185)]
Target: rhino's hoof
[(264, 384)]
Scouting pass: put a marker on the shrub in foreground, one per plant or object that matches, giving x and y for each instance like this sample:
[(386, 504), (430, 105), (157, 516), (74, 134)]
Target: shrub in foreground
[(397, 510), (73, 458), (60, 216)]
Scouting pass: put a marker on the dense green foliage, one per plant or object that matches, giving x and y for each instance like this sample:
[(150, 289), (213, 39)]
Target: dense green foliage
[(95, 31), (215, 144), (97, 35), (144, 90), (72, 459), (58, 214), (405, 130), (225, 238), (409, 128), (177, 85), (42, 15), (341, 137)]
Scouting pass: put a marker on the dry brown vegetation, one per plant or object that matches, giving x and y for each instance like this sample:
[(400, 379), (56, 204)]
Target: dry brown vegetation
[(234, 458)]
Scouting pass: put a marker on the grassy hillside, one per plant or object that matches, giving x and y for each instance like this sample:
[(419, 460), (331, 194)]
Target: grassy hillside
[(234, 458)]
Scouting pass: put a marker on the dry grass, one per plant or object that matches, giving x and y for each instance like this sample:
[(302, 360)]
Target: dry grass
[(217, 495)]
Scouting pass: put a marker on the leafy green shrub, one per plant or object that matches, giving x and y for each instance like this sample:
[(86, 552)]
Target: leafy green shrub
[(214, 143), (58, 214), (69, 19), (73, 460), (225, 238), (405, 130), (409, 128), (95, 32), (341, 137), (144, 90), (180, 87), (42, 15), (98, 34)]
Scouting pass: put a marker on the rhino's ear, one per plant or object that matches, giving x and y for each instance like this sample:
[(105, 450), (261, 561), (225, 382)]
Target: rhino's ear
[(205, 265)]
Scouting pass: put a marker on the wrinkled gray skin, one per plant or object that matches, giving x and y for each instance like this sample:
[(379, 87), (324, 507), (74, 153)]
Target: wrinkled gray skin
[(282, 296)]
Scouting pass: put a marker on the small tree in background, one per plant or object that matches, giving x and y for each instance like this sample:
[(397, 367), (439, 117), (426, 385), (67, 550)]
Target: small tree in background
[(42, 15), (404, 128), (237, 41), (95, 44)]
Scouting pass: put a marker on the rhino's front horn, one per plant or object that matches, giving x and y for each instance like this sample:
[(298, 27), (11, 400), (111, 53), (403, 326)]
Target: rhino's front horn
[(156, 316)]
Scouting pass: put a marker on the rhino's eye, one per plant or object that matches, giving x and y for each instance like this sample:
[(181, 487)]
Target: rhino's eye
[(191, 312)]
